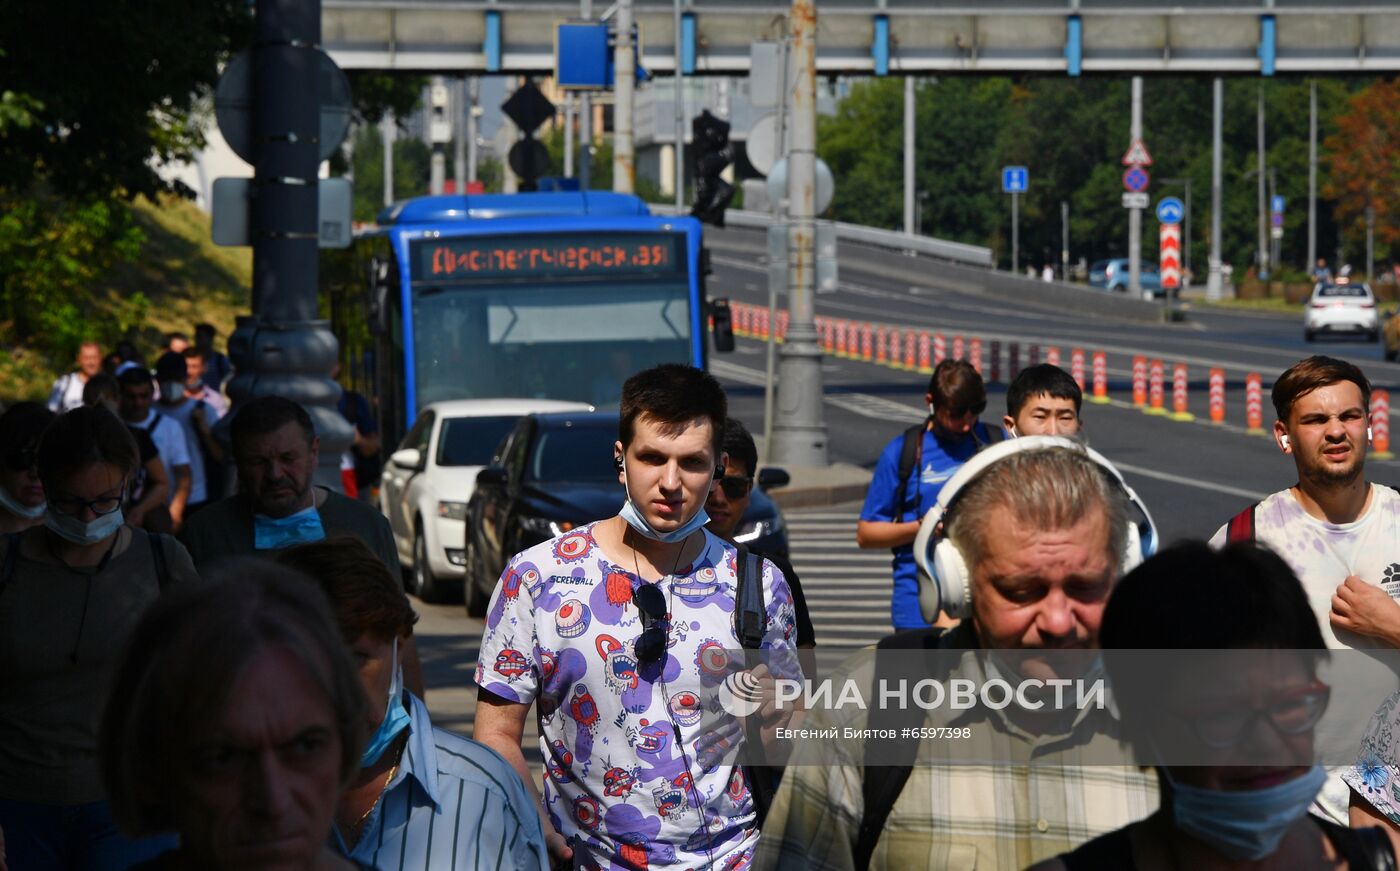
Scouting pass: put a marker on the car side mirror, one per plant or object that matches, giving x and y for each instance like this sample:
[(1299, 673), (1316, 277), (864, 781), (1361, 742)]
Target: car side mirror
[(771, 477), (408, 458), (493, 476)]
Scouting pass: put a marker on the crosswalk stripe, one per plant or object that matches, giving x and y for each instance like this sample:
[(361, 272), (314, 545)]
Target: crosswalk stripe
[(847, 588)]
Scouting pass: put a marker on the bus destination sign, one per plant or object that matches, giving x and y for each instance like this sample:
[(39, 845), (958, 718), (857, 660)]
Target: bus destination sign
[(464, 258)]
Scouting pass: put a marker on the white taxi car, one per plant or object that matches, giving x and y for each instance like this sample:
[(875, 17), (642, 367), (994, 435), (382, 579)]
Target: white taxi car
[(1341, 307)]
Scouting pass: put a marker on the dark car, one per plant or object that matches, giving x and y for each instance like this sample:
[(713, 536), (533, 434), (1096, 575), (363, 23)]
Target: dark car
[(554, 473)]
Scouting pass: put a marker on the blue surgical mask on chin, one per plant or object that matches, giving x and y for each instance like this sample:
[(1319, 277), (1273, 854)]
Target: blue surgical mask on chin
[(1248, 824), (634, 518), (273, 533), (73, 530), (395, 720), (19, 509)]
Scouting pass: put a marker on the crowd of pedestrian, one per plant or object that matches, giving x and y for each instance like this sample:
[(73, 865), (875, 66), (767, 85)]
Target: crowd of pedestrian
[(208, 661)]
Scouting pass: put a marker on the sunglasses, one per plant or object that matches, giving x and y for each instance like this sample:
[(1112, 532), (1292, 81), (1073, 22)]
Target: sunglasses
[(735, 486), (957, 411), (651, 602)]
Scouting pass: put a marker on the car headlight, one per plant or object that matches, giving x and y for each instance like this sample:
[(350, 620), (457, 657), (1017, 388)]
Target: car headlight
[(545, 526), (452, 510), (756, 529)]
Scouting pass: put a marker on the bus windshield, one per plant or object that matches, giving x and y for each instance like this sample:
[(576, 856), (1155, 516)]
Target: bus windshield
[(575, 339)]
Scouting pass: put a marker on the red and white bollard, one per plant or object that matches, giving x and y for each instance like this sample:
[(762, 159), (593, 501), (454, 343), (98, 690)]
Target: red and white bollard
[(1100, 378), (925, 363), (1156, 390), (1013, 361), (783, 319), (1076, 367), (1033, 356), (882, 345), (996, 362), (911, 362), (975, 353), (1180, 399), (1139, 381), (1217, 396), (1052, 355), (867, 343), (958, 348), (842, 344), (940, 348), (1380, 425), (763, 323), (1254, 403)]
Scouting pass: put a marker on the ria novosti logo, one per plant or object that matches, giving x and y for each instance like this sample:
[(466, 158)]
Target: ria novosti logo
[(741, 694)]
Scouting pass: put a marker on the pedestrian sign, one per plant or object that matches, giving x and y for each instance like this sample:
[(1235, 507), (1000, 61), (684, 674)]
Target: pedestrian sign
[(1137, 155), (1014, 179), (1170, 210), (1276, 203)]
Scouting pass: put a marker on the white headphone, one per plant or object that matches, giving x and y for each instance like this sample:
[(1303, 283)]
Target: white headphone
[(944, 580)]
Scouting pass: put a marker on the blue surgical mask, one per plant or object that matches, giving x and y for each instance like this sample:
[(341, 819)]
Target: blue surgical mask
[(395, 720), (73, 530), (1247, 824), (19, 509), (272, 533), (634, 518)]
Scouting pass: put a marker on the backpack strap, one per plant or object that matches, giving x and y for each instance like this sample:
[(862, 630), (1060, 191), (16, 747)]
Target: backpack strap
[(1241, 526), (994, 434), (750, 615), (158, 557), (911, 450), (7, 567)]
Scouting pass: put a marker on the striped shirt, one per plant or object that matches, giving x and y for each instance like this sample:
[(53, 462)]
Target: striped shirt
[(453, 804), (952, 815)]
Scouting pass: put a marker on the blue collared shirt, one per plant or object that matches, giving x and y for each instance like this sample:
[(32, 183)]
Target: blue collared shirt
[(454, 804)]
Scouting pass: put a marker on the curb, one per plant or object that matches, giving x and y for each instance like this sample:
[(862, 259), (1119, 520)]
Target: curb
[(814, 487)]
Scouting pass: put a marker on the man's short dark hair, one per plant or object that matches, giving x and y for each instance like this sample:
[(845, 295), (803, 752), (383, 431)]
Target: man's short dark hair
[(101, 386), (193, 353), (265, 415), (1308, 375), (738, 444), (956, 384), (135, 377), (85, 436), (205, 328), (1042, 379), (673, 395)]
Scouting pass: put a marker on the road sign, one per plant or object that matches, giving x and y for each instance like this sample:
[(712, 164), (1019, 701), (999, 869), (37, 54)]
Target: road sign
[(233, 105), (1169, 255), (1137, 155), (528, 108), (1135, 180), (1170, 210), (761, 145), (826, 184), (1275, 232), (231, 216), (1134, 201), (1277, 220), (1015, 179), (1276, 203)]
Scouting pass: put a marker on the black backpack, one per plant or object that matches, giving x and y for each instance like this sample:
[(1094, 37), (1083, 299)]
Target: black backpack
[(911, 450), (750, 622), (156, 539)]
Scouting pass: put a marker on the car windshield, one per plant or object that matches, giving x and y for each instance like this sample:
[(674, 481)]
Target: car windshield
[(1099, 266), (577, 452), (470, 441), (1355, 291)]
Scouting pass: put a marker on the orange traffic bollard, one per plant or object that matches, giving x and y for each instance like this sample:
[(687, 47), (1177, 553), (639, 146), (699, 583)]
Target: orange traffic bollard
[(1052, 355), (1180, 384), (957, 347), (1013, 361), (911, 363), (1100, 378), (842, 346), (1076, 367), (867, 343), (782, 325), (975, 354), (1254, 403), (1217, 396), (940, 348), (925, 363), (1139, 381), (1380, 425), (882, 345), (1156, 390)]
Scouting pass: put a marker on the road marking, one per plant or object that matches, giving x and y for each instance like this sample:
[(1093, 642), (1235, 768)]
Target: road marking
[(1190, 482)]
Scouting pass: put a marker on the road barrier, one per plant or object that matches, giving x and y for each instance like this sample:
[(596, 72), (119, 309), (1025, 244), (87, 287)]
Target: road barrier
[(1155, 391), (843, 342), (958, 348), (1139, 381), (782, 325), (867, 343), (975, 352), (925, 352), (940, 348), (1100, 378), (1254, 403), (1180, 384), (996, 362), (763, 324), (1013, 363), (1217, 396), (1076, 367), (910, 350), (1033, 355), (1380, 425), (1052, 355)]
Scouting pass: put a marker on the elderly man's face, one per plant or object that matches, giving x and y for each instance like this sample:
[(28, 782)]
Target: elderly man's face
[(276, 470), (260, 789), (1042, 589)]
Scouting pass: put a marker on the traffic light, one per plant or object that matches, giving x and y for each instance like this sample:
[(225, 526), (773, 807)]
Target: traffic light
[(712, 153)]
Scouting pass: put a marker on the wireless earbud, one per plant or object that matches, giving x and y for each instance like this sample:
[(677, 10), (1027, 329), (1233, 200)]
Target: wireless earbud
[(1368, 433), (1283, 439), (617, 461), (719, 472)]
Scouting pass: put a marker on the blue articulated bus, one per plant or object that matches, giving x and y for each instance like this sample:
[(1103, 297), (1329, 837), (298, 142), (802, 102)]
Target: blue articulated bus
[(546, 295)]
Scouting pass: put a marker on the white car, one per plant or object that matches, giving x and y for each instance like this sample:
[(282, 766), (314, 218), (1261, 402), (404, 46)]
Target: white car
[(1341, 308), (428, 480)]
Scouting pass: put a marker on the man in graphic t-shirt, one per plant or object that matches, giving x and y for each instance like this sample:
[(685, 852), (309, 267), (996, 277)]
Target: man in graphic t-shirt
[(1339, 532), (619, 631)]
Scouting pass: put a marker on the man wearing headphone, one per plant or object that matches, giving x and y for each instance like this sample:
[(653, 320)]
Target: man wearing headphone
[(1024, 545), (1338, 532), (913, 467)]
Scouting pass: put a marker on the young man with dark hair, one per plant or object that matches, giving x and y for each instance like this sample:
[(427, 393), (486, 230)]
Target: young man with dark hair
[(911, 470), (217, 368), (615, 628), (1043, 400), (137, 397)]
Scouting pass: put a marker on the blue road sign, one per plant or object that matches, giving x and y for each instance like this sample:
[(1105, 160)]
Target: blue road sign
[(1014, 179), (1136, 180), (1170, 210), (1276, 203)]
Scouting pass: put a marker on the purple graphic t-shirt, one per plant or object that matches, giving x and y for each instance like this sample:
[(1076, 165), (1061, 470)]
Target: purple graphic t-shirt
[(562, 629)]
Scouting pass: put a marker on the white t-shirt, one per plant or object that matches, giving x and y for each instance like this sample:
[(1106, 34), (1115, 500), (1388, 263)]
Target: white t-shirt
[(184, 414), (67, 393), (562, 629), (169, 435)]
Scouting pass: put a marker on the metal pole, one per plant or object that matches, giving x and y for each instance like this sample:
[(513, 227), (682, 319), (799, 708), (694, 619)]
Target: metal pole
[(437, 174), (387, 134), (1312, 174), (1213, 288), (799, 433), (1135, 214), (1275, 241), (459, 138), (625, 81), (568, 135), (680, 113), (282, 348), (1370, 243), (1186, 231), (908, 154), (473, 96), (1262, 254), (1015, 233), (1064, 240), (780, 216)]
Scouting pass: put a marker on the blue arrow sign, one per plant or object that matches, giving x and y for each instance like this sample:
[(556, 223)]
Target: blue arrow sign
[(1014, 179), (1170, 210), (1276, 203)]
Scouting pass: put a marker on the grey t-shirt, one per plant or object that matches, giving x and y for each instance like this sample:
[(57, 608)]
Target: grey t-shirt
[(225, 529), (61, 630)]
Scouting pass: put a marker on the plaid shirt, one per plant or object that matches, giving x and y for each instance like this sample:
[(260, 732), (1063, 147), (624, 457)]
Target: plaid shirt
[(954, 816)]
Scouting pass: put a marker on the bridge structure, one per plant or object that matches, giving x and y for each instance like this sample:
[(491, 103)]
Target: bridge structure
[(892, 37)]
